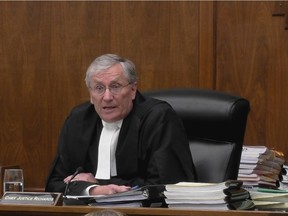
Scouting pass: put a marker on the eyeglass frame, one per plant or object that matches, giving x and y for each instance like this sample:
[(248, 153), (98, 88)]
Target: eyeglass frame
[(117, 86)]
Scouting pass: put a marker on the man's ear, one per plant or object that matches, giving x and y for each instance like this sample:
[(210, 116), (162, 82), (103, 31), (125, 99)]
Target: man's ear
[(91, 101), (134, 90)]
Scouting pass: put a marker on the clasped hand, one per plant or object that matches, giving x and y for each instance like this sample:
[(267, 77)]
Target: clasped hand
[(81, 177), (100, 189)]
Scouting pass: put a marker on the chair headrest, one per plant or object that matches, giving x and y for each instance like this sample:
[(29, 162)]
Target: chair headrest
[(206, 113)]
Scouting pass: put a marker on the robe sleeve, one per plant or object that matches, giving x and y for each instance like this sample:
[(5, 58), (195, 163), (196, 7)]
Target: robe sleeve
[(164, 144), (73, 151)]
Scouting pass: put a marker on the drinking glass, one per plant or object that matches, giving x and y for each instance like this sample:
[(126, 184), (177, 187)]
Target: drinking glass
[(13, 180)]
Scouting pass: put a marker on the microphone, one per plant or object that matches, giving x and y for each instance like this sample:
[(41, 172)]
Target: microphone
[(78, 170)]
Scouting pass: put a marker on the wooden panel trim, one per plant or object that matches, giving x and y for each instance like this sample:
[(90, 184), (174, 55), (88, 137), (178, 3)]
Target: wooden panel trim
[(281, 9), (206, 45)]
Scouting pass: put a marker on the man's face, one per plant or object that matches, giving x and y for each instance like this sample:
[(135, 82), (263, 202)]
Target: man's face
[(111, 106)]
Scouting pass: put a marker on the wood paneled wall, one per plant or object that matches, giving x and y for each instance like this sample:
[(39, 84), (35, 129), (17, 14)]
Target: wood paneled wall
[(251, 60), (46, 46)]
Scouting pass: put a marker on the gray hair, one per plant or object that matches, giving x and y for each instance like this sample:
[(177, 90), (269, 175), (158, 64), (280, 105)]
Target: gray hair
[(106, 61)]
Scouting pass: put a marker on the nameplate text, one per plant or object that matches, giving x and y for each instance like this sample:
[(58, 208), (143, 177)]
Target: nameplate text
[(36, 198)]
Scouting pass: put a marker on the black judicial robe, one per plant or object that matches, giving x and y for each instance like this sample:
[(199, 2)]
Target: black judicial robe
[(152, 147)]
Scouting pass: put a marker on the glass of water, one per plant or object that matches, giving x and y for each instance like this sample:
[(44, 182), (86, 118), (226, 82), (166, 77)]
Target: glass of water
[(13, 180)]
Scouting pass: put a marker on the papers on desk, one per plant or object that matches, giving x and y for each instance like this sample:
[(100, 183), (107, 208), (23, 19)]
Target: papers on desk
[(143, 196), (216, 196), (199, 186), (269, 199)]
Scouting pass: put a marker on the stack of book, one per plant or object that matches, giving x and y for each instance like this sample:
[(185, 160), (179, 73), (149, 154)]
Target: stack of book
[(260, 167), (216, 196)]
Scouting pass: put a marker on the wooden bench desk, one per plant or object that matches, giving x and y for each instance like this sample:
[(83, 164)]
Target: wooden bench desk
[(25, 210)]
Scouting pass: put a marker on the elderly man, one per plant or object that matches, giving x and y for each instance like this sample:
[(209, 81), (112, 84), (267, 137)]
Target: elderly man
[(120, 138)]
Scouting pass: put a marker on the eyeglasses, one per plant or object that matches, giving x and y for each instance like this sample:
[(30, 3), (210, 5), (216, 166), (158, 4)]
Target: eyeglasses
[(113, 88)]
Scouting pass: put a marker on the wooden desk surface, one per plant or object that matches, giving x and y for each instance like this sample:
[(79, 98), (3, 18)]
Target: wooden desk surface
[(25, 210)]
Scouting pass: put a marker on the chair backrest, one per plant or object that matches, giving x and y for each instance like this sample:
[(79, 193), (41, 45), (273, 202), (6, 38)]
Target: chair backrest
[(215, 123)]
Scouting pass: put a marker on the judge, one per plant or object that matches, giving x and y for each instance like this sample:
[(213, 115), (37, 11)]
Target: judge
[(120, 138)]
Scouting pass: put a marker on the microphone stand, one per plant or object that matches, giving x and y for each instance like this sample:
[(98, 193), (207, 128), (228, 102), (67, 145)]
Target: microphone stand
[(65, 199)]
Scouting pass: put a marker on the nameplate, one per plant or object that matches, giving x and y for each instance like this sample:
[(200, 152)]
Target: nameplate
[(29, 198)]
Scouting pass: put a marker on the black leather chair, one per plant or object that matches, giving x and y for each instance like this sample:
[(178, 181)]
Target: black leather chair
[(215, 123)]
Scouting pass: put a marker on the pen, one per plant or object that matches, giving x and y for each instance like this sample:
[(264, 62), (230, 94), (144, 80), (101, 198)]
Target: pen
[(134, 187)]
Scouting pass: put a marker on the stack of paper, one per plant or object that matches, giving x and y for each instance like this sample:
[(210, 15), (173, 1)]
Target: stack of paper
[(260, 167), (284, 182), (270, 199), (216, 196)]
